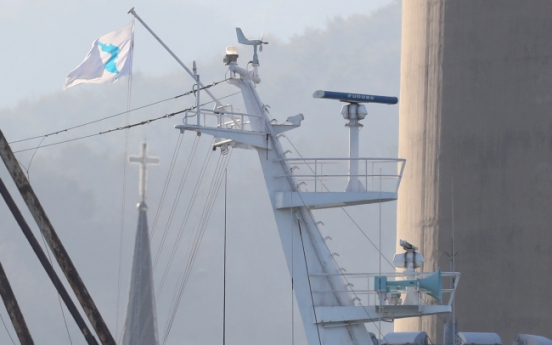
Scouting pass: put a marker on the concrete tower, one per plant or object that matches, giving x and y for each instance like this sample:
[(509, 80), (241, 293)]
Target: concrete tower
[(141, 323), (476, 130)]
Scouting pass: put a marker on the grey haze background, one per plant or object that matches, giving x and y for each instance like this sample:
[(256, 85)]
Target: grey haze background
[(80, 183)]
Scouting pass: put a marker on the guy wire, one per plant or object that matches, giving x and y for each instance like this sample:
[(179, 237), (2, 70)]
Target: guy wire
[(116, 114), (145, 122), (123, 200), (308, 278)]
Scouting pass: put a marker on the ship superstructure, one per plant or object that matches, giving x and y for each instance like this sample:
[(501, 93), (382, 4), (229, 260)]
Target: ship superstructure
[(333, 309)]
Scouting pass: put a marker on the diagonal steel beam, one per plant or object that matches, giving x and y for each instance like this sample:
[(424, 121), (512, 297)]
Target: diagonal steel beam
[(51, 237)]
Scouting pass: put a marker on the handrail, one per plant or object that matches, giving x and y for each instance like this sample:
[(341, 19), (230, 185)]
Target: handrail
[(373, 159), (367, 281), (222, 112), (388, 274), (365, 292), (343, 175), (324, 174), (225, 119)]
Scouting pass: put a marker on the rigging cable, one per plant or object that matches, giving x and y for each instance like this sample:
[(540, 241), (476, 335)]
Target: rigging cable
[(313, 241), (123, 195), (207, 209), (213, 192), (292, 270), (145, 122), (32, 157), (342, 274), (186, 275), (116, 114), (184, 222), (169, 174), (379, 257), (173, 252), (2, 318), (59, 298), (224, 275), (200, 225), (192, 155), (217, 179), (175, 202), (166, 184), (317, 253), (343, 209), (301, 215), (159, 250), (308, 277)]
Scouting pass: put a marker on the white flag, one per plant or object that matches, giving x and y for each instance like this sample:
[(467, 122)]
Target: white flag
[(109, 59)]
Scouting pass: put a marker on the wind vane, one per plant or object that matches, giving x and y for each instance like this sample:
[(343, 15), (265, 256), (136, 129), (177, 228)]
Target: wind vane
[(144, 161)]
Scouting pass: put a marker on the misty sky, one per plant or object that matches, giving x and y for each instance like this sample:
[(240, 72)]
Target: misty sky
[(42, 41), (347, 46)]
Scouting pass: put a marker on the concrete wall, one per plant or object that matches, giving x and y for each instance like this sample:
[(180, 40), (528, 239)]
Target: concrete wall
[(476, 118)]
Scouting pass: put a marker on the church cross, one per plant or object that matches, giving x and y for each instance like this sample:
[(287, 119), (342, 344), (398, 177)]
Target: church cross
[(144, 161)]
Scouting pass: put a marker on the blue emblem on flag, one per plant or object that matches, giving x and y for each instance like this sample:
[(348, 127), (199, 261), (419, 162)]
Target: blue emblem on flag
[(110, 65)]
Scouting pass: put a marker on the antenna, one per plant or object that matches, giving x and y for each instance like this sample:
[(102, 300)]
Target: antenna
[(453, 255), (355, 97), (255, 43), (224, 279), (354, 112)]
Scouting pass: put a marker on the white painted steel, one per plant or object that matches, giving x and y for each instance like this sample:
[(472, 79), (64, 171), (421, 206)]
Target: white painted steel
[(400, 338), (318, 281), (321, 200), (299, 227), (479, 338), (363, 314), (250, 138), (197, 94), (362, 286), (324, 174), (528, 339), (354, 185), (172, 54)]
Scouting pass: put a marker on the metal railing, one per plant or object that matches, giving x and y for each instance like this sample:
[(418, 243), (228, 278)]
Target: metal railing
[(361, 287), (219, 118), (331, 174)]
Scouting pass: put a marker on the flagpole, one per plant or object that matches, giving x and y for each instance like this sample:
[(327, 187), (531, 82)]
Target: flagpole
[(172, 54)]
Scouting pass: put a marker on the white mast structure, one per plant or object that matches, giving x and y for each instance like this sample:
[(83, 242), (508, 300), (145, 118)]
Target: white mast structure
[(332, 313)]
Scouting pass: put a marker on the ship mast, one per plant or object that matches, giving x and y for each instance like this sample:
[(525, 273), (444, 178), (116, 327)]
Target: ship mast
[(323, 293)]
